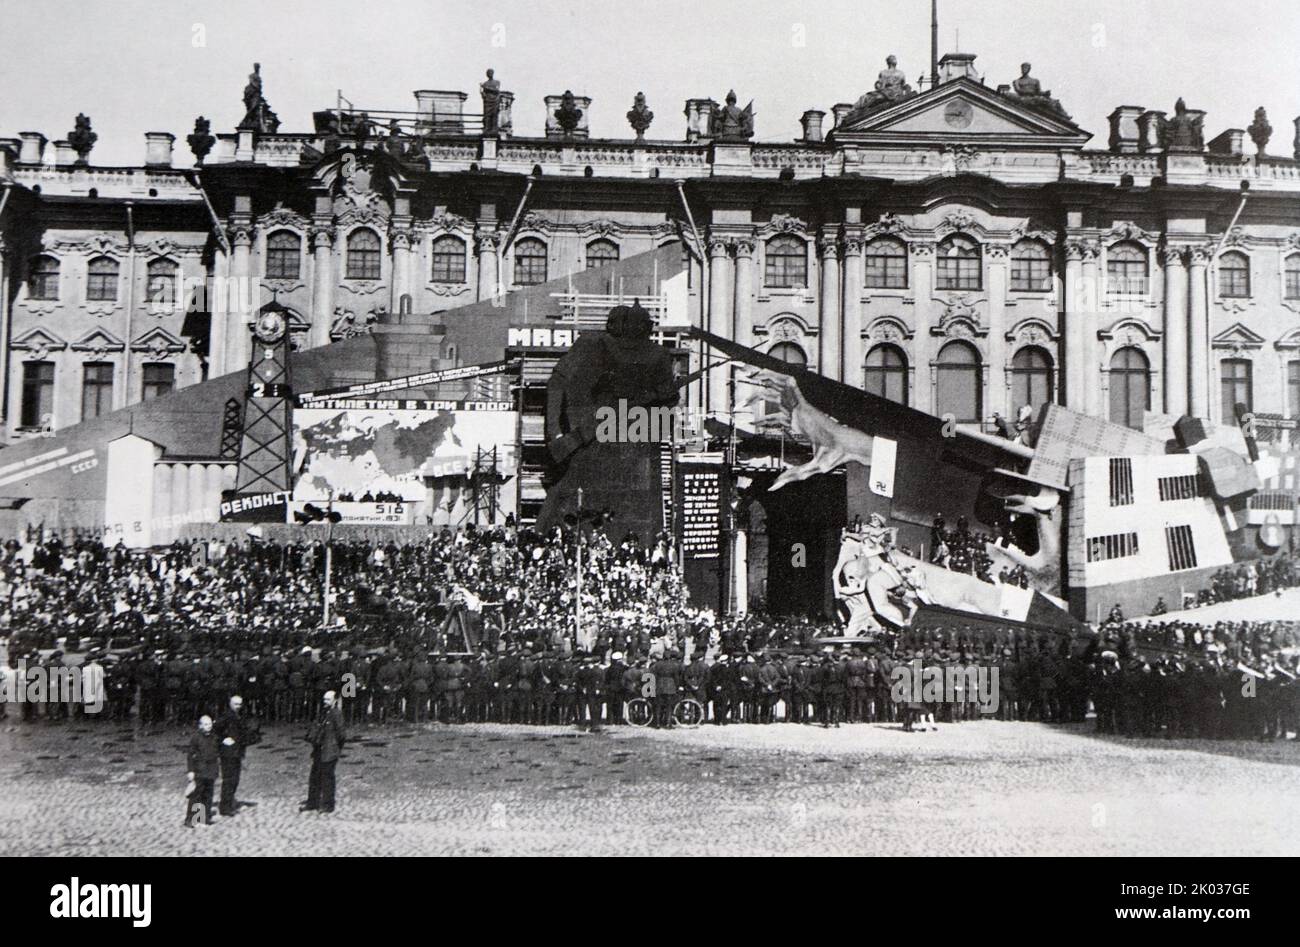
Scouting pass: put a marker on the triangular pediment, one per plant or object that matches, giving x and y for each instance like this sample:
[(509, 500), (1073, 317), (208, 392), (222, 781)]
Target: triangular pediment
[(963, 111), (39, 338), (98, 340), (1238, 336), (158, 339)]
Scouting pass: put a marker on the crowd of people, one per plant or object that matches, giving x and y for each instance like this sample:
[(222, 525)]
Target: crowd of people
[(483, 625), (962, 549)]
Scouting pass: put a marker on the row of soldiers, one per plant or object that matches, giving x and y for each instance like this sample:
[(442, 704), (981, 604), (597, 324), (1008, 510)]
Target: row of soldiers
[(525, 685), (1133, 697)]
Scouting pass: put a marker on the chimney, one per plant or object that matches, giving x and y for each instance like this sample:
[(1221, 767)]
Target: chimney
[(957, 66), (64, 153), (1149, 123), (1124, 129), (812, 125), (699, 113), (33, 147), (440, 112), (1230, 142), (158, 149), (8, 153), (839, 112)]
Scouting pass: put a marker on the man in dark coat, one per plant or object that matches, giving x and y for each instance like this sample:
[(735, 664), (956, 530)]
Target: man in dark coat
[(233, 736), (327, 738), (201, 763)]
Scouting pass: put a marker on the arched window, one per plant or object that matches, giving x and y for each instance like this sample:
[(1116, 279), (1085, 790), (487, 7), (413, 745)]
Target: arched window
[(785, 262), (364, 255), (1234, 275), (790, 353), (530, 262), (1237, 385), (958, 264), (43, 281), (448, 260), (1032, 378), (886, 264), (101, 279), (284, 255), (601, 253), (160, 285), (1126, 269), (958, 383), (886, 373), (1292, 274), (1130, 387), (1031, 267)]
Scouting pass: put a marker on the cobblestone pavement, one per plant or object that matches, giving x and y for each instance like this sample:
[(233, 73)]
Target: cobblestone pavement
[(971, 789)]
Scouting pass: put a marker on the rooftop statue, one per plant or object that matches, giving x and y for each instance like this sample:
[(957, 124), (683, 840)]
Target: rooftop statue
[(1183, 131), (257, 113), (81, 138), (640, 116), (568, 115), (730, 123), (1031, 94), (1260, 130), (891, 88), (490, 90)]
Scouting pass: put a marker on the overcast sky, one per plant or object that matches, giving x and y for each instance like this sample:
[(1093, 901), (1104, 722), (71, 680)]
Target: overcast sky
[(138, 66)]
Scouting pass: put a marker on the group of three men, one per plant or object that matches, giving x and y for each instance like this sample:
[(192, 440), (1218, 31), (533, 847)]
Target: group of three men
[(220, 748)]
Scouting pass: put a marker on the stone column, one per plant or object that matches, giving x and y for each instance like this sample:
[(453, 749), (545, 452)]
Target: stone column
[(322, 295), (829, 339), (855, 354), (239, 299), (998, 397), (743, 303), (4, 336), (219, 318), (922, 252), (719, 321), (1088, 348), (1075, 297), (400, 240), (487, 265), (1198, 332), (1175, 342)]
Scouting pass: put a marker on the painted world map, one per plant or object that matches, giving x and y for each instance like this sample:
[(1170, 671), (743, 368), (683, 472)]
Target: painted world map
[(354, 452)]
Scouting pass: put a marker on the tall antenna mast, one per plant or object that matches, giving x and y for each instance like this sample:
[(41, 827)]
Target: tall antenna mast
[(934, 43)]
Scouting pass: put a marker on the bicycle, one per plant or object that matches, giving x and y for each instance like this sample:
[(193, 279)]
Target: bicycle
[(687, 712)]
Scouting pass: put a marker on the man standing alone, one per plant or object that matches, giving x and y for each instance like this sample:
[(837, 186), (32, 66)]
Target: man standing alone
[(327, 738), (232, 735)]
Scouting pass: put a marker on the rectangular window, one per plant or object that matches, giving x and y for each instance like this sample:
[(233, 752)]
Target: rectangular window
[(1115, 546), (159, 380), (886, 272), (1186, 487), (38, 394), (1237, 386), (1182, 550), (96, 390), (1272, 500), (1031, 275), (959, 272), (1121, 481), (1293, 389)]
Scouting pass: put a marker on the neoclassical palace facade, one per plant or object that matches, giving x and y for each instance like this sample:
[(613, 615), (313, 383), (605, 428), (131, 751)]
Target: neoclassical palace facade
[(958, 247)]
